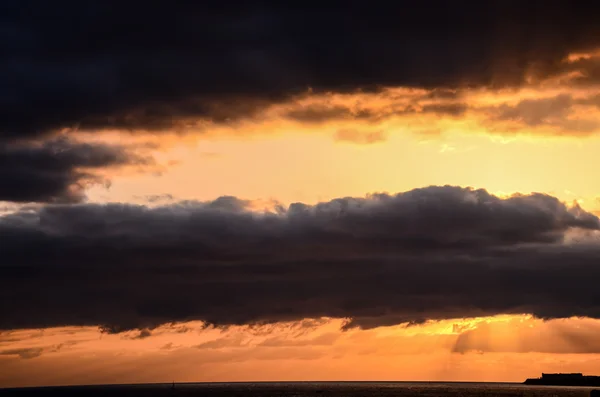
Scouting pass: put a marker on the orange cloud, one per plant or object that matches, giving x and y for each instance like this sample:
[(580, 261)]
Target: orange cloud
[(365, 138)]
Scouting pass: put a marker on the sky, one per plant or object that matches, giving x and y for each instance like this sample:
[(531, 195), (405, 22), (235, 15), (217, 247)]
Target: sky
[(342, 191)]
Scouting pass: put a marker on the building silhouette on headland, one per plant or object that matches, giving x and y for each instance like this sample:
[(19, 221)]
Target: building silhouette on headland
[(572, 379)]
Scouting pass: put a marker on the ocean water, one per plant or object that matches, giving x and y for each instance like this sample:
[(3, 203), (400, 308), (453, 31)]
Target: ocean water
[(308, 389)]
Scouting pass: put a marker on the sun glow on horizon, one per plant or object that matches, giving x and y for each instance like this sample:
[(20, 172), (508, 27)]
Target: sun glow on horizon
[(458, 343)]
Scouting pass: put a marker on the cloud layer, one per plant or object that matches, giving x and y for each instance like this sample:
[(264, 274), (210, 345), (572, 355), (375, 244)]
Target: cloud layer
[(178, 64), (431, 253)]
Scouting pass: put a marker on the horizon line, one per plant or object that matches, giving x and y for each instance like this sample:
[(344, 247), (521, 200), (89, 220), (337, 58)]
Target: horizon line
[(251, 382)]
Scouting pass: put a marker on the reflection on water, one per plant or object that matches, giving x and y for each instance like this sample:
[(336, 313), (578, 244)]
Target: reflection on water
[(316, 389)]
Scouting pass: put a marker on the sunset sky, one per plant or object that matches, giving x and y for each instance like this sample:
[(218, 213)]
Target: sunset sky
[(194, 192)]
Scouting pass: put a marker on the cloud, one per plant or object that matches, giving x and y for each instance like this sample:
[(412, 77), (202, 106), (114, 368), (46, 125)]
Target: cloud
[(320, 113), (360, 137), (533, 112), (449, 109), (326, 339), (157, 198), (405, 104), (176, 65), (168, 346), (63, 345), (236, 341), (530, 109), (58, 170), (430, 253), (143, 334), (24, 354), (577, 69), (557, 111)]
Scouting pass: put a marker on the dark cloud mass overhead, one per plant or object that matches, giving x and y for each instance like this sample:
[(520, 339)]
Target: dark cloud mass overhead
[(430, 253), (154, 65), (162, 66)]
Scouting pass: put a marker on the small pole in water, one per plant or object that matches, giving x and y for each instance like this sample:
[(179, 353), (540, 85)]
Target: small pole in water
[(173, 387)]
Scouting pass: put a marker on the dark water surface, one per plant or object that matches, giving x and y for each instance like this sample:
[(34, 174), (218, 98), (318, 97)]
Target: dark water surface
[(312, 389)]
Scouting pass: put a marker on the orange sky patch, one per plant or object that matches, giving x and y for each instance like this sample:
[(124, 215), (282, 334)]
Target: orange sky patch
[(502, 348)]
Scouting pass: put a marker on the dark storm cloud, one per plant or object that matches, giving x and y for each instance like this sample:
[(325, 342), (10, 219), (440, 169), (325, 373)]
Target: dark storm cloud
[(159, 65), (430, 253), (57, 170)]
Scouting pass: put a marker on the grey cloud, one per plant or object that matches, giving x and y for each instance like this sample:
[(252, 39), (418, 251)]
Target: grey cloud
[(57, 170), (430, 253)]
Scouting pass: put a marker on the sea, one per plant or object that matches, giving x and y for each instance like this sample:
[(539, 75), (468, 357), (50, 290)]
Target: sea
[(306, 389)]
